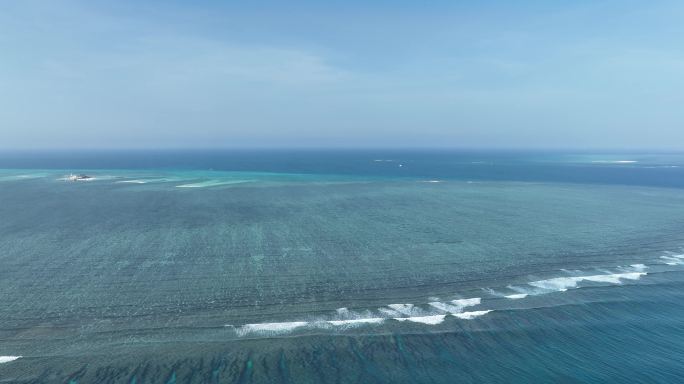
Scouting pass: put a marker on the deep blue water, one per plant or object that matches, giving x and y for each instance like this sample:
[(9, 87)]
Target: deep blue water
[(341, 267)]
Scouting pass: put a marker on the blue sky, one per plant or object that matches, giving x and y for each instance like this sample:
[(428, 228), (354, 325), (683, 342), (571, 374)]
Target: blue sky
[(515, 74)]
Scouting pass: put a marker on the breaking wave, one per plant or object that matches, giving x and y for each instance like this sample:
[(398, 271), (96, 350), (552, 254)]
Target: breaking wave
[(430, 320), (431, 314), (7, 359), (270, 328), (437, 311), (673, 259), (517, 296), (561, 284)]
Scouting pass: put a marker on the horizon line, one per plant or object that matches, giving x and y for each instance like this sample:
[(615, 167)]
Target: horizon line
[(346, 149)]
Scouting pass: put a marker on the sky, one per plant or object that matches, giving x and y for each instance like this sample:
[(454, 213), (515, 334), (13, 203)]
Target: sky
[(221, 74)]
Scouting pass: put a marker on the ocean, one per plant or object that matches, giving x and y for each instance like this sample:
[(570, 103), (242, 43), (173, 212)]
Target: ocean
[(341, 266)]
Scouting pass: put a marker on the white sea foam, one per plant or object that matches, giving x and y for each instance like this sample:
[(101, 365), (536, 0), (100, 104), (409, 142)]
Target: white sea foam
[(431, 181), (562, 284), (639, 267), (517, 296), (430, 320), (270, 328), (194, 185), (407, 312), (467, 302), (522, 293), (343, 311), (347, 318), (556, 284), (470, 315), (444, 307), (610, 279), (133, 181), (389, 312), (455, 305), (403, 309), (7, 359), (673, 259), (355, 322)]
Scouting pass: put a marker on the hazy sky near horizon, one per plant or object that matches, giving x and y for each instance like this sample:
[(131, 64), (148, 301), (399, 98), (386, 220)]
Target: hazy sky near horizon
[(102, 74)]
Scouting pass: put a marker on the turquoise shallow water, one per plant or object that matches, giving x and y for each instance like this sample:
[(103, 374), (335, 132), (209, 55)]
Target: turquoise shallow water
[(313, 267)]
